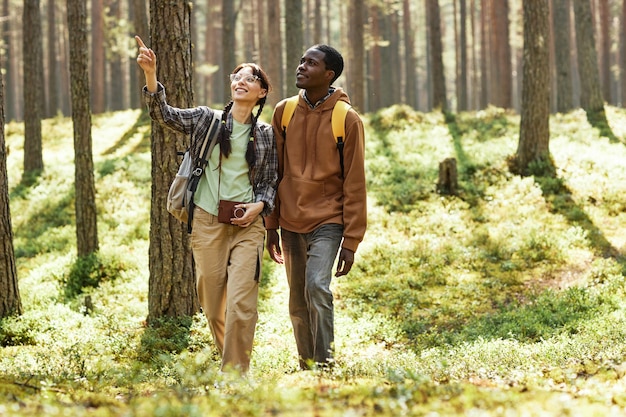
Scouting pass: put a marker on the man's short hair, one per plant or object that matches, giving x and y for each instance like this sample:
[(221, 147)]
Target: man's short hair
[(332, 59)]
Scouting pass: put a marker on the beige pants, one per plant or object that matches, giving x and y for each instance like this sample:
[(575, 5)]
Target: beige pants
[(228, 269)]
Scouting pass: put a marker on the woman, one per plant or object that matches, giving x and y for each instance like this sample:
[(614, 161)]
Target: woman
[(241, 168)]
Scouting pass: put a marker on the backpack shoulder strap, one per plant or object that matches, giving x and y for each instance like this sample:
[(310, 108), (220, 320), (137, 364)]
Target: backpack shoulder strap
[(338, 122), (290, 107)]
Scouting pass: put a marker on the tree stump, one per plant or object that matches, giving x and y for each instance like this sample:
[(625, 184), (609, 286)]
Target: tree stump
[(447, 183)]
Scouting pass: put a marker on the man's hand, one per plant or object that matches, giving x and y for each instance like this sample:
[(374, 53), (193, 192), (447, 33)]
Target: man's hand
[(273, 246), (344, 264)]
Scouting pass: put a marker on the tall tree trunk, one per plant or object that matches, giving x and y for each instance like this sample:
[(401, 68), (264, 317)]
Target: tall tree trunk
[(275, 64), (503, 73), (214, 45), (98, 60), (356, 54), (84, 183), (140, 21), (591, 93), (294, 36), (436, 56), (390, 89), (64, 66), (474, 90), (172, 289), (462, 96), (6, 62), (484, 55), (410, 62), (534, 124), (33, 87), (53, 63), (376, 74), (606, 78), (229, 20), (117, 89), (562, 50), (317, 25), (10, 302), (622, 55)]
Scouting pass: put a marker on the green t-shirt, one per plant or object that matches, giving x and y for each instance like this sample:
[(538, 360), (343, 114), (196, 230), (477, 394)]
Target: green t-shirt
[(231, 181)]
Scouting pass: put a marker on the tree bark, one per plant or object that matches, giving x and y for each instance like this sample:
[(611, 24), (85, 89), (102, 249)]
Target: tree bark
[(462, 100), (562, 51), (172, 290), (140, 21), (591, 93), (502, 77), (275, 64), (229, 20), (294, 36), (98, 62), (33, 88), (376, 72), (606, 77), (84, 183), (483, 100), (53, 64), (436, 56), (622, 55), (410, 61), (10, 65), (10, 302), (356, 54), (534, 124)]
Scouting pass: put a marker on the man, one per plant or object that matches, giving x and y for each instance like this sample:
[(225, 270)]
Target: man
[(319, 208)]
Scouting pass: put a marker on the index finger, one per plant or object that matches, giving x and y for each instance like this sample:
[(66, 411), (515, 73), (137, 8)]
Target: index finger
[(140, 42)]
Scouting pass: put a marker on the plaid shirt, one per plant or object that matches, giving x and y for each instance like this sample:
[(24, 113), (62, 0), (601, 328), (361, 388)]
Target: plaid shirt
[(195, 121)]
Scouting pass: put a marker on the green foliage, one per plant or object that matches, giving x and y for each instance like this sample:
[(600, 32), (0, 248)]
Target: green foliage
[(90, 271), (505, 298), (166, 335)]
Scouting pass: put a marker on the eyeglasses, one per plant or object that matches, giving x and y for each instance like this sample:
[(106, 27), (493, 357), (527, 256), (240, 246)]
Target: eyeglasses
[(246, 77)]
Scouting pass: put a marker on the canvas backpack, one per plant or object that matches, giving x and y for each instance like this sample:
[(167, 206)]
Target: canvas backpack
[(337, 120)]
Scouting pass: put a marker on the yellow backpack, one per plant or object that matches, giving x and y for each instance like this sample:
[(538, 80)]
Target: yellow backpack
[(337, 119)]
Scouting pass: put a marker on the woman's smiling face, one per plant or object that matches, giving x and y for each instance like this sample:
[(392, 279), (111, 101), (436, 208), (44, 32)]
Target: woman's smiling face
[(246, 86)]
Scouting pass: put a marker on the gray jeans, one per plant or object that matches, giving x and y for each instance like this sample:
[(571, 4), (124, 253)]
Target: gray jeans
[(309, 260)]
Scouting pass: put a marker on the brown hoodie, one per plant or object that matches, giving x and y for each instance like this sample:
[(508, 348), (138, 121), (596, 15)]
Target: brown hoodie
[(311, 191)]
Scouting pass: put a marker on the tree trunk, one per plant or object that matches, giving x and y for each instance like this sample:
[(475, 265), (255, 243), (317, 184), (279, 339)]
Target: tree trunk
[(98, 61), (33, 88), (436, 56), (591, 93), (84, 183), (534, 124), (10, 302), (483, 101), (294, 35), (410, 62), (9, 64), (502, 77), (376, 72), (562, 51), (275, 64), (117, 89), (229, 20), (606, 78), (462, 72), (622, 55), (53, 64), (64, 66), (356, 54), (172, 290), (140, 20)]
